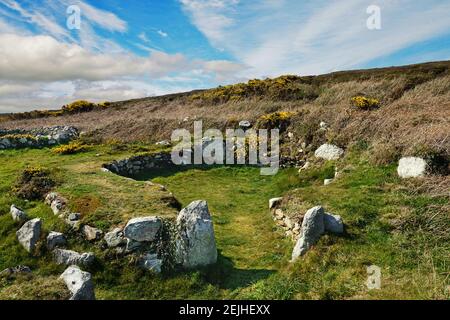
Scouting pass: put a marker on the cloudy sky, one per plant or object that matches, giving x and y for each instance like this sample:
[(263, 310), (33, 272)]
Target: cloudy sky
[(134, 48)]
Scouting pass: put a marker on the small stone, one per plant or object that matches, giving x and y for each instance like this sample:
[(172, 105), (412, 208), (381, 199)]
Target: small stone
[(115, 238), (327, 182), (245, 125), (91, 233), (143, 229), (79, 283), (18, 214), (279, 214), (274, 202), (151, 263), (15, 271), (333, 223), (329, 152), (412, 167), (69, 257), (55, 239)]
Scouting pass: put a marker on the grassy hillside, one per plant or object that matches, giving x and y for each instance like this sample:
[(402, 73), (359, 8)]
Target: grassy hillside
[(402, 226)]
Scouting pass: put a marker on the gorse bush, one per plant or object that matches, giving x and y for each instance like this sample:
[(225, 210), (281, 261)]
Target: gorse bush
[(365, 103), (79, 106), (283, 88), (33, 184), (71, 148), (277, 120)]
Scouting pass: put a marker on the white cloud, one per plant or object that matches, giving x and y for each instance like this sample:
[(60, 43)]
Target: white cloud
[(162, 34), (104, 19), (275, 37)]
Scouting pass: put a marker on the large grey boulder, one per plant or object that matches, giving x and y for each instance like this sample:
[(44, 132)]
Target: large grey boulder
[(195, 244), (79, 283), (142, 229), (412, 167), (29, 234), (151, 263), (312, 228), (18, 214), (55, 239), (69, 257), (333, 223), (329, 152), (115, 238)]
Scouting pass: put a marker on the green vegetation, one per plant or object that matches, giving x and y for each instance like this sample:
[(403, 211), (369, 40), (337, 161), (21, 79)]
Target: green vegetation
[(365, 103), (33, 184), (71, 148), (386, 225)]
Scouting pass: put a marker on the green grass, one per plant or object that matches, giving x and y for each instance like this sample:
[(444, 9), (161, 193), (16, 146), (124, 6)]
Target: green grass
[(254, 256)]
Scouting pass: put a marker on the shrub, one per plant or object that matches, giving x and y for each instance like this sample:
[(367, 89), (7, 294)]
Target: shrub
[(79, 106), (365, 103), (33, 184), (279, 120), (384, 154), (71, 148)]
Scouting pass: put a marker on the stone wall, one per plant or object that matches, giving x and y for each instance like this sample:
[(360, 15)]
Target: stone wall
[(37, 138), (137, 164)]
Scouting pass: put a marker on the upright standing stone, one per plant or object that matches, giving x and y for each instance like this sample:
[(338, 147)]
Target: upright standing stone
[(29, 234)]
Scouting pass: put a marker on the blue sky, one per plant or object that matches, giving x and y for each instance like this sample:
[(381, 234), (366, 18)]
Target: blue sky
[(134, 48)]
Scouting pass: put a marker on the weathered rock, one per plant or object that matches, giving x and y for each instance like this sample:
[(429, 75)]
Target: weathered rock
[(312, 228), (115, 238), (323, 125), (195, 245), (69, 257), (305, 166), (8, 272), (412, 167), (29, 234), (142, 229), (274, 202), (18, 214), (333, 223), (55, 239), (132, 245), (279, 214), (245, 125), (79, 283), (151, 263), (91, 233), (329, 152), (327, 182)]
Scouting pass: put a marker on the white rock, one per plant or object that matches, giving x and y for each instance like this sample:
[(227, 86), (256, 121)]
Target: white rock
[(245, 125), (412, 167), (151, 263), (18, 214), (29, 234), (79, 283), (333, 223), (91, 233), (142, 229), (195, 245), (69, 257), (327, 181), (55, 239), (312, 228), (329, 152), (305, 166), (274, 202), (323, 125)]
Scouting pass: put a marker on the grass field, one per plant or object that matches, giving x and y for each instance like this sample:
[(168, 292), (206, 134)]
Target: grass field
[(405, 233)]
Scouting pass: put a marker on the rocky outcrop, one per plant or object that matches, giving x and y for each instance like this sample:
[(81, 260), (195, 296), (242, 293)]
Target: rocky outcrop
[(69, 257), (29, 234), (37, 138), (143, 229), (195, 243), (79, 283), (412, 167), (18, 214), (55, 239), (329, 152)]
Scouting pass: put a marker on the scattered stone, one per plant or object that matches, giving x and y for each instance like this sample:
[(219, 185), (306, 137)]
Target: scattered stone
[(326, 182), (132, 245), (305, 166), (312, 228), (245, 125), (151, 263), (323, 125), (74, 216), (195, 245), (8, 272), (329, 152), (55, 239), (57, 203), (142, 229), (115, 238), (279, 215), (18, 214), (29, 234), (274, 202), (290, 135), (333, 223), (91, 233), (163, 143), (79, 283), (105, 170), (412, 167), (69, 257)]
